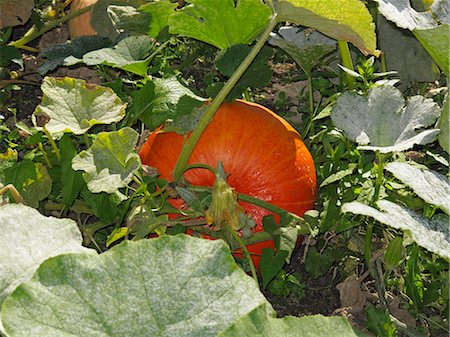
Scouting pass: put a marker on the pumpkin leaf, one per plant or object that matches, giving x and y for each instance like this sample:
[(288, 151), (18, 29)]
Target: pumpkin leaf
[(383, 120), (108, 14), (72, 105), (103, 205), (10, 54), (55, 55), (159, 13), (169, 286), (271, 263), (31, 180), (28, 238), (111, 161), (307, 49), (258, 324), (436, 43), (405, 16), (347, 20), (15, 13), (162, 99), (257, 75), (431, 234), (71, 181), (444, 125), (132, 54), (432, 187), (204, 20)]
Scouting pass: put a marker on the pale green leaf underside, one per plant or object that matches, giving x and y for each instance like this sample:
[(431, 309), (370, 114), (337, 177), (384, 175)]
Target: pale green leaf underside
[(27, 238), (384, 120), (221, 23), (170, 286), (258, 324), (347, 20), (73, 105), (306, 48), (131, 54), (431, 186), (405, 16), (433, 235), (111, 161)]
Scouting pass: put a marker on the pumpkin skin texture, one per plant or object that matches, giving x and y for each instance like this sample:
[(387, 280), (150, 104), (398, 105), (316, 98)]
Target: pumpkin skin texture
[(81, 25), (262, 154)]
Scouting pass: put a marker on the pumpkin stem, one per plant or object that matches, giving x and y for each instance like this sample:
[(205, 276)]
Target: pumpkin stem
[(218, 100), (224, 206)]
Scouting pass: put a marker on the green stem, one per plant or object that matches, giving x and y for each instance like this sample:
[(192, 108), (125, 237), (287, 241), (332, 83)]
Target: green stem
[(310, 94), (347, 62), (52, 143), (44, 154), (217, 101), (33, 34), (245, 250), (369, 228), (304, 227)]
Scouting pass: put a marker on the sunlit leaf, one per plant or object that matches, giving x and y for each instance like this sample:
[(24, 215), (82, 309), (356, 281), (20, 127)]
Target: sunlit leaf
[(347, 20), (384, 120), (221, 23), (431, 186), (28, 238), (72, 105), (433, 235), (306, 48), (169, 286), (110, 162), (405, 16)]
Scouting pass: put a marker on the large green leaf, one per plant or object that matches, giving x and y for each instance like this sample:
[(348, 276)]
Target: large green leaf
[(306, 48), (437, 43), (28, 238), (132, 54), (347, 20), (159, 13), (170, 286), (431, 186), (72, 105), (383, 120), (110, 162), (221, 23), (433, 234)]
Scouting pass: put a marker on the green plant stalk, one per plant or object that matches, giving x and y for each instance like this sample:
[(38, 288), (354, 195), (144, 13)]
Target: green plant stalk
[(33, 34), (347, 62), (245, 250), (369, 228), (190, 144), (52, 143), (44, 154), (310, 94)]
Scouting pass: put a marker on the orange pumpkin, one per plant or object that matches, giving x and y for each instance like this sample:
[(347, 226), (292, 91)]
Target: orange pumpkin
[(81, 25), (262, 154)]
